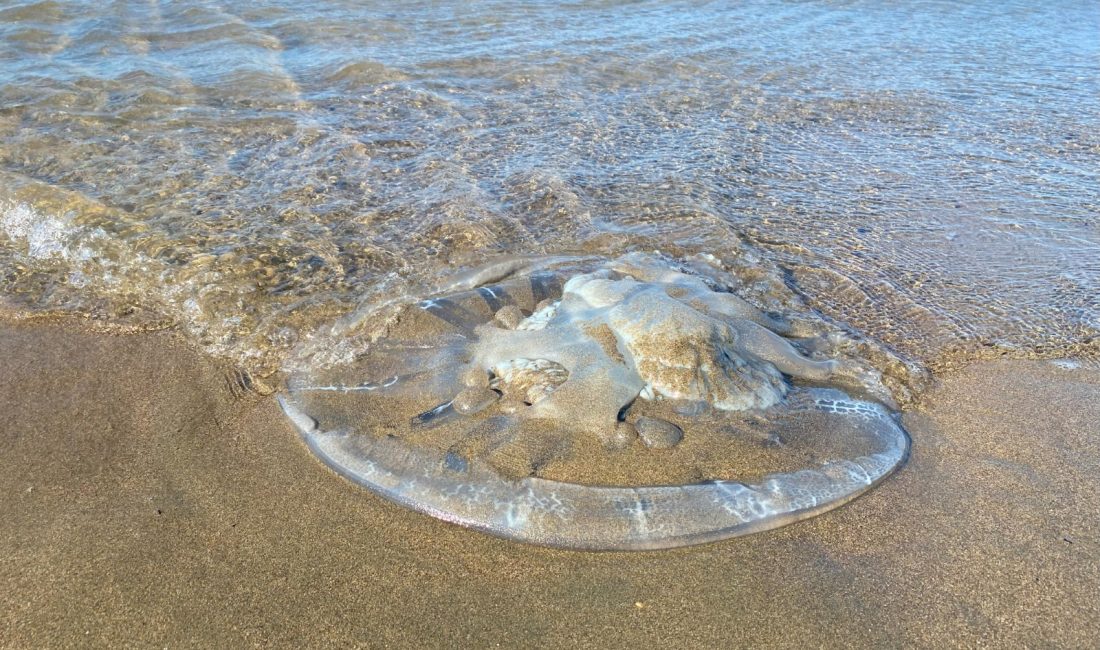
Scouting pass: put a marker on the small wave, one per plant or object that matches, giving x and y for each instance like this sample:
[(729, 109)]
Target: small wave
[(360, 74), (44, 236)]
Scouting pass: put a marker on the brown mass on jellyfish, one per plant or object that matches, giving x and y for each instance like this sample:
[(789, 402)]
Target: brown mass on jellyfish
[(613, 339)]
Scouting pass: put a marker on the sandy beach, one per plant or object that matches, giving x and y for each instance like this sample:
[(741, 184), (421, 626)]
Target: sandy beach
[(148, 504), (205, 204)]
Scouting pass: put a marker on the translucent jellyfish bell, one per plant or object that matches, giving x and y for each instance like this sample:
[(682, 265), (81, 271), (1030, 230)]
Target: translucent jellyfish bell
[(628, 405)]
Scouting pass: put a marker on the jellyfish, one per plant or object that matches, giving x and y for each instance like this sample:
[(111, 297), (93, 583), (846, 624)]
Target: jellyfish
[(545, 405)]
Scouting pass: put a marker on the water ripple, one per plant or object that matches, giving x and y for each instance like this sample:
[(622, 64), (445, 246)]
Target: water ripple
[(926, 172)]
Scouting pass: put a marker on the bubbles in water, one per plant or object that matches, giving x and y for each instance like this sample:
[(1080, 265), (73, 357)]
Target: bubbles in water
[(44, 236)]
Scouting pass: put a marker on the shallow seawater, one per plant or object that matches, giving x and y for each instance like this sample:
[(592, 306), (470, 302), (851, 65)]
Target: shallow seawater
[(926, 174)]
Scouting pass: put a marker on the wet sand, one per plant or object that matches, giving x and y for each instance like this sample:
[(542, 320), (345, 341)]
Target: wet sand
[(145, 502)]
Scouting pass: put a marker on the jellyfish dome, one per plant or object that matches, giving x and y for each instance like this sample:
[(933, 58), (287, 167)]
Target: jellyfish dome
[(634, 403)]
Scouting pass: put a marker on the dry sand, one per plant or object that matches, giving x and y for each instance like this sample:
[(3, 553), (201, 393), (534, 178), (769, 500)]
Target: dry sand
[(145, 504)]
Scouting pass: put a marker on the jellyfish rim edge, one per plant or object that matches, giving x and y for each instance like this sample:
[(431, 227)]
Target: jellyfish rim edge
[(898, 453)]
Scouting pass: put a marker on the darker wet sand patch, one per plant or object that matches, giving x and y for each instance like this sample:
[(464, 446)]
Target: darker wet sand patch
[(146, 502)]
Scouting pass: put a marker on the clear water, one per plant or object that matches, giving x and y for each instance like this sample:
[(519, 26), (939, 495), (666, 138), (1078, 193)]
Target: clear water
[(926, 173)]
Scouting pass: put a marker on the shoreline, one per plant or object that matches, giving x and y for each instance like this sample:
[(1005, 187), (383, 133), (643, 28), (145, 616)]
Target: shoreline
[(147, 502)]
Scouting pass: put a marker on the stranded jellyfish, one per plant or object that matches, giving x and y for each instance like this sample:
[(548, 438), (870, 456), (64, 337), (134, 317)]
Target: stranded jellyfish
[(635, 403)]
